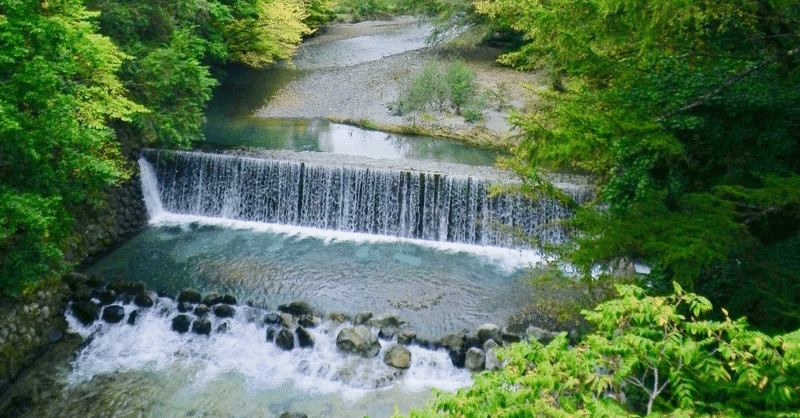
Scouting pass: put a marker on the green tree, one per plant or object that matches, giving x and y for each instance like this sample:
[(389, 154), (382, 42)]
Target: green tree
[(446, 15), (272, 32), (58, 91), (653, 356), (178, 46), (687, 114), (437, 87)]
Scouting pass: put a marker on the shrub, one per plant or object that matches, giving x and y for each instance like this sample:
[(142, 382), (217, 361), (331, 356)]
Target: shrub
[(436, 88), (653, 356)]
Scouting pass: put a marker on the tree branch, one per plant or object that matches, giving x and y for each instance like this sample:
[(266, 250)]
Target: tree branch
[(731, 81)]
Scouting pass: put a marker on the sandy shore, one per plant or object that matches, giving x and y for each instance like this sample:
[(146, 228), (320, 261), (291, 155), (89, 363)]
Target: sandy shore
[(351, 72)]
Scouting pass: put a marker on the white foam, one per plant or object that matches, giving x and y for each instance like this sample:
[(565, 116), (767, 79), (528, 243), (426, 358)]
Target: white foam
[(508, 258), (152, 200), (151, 345)]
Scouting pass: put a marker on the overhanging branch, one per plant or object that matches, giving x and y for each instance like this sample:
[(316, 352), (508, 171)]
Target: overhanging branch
[(731, 81)]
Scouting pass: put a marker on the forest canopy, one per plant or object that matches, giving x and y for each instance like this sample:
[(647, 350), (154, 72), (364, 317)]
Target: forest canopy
[(688, 115), (71, 70)]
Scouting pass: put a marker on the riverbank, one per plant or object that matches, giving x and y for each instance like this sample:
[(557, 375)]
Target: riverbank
[(343, 88)]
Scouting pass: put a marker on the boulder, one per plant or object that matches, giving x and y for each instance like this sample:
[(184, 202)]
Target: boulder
[(229, 299), (184, 307), (113, 314), (358, 340), (201, 326), (362, 318), (270, 334), (387, 332), (285, 339), (181, 323), (212, 299), (456, 345), (138, 287), (386, 320), (272, 318), (293, 415), (132, 317), (492, 362), (406, 337), (224, 311), (455, 339), (189, 295), (511, 337), (82, 294), (201, 309), (107, 296), (308, 321), (298, 308), (75, 280), (541, 335), (489, 332), (304, 339), (475, 359), (288, 320), (85, 310), (144, 300), (223, 327), (338, 317), (398, 356)]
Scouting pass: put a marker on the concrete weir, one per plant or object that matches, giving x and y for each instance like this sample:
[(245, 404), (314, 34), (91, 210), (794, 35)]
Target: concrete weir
[(402, 198)]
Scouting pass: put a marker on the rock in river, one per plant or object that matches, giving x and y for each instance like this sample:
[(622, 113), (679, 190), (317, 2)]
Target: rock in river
[(113, 313), (181, 323), (398, 356), (358, 340)]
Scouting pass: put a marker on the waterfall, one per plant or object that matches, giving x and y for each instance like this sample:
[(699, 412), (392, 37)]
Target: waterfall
[(363, 197), (152, 201)]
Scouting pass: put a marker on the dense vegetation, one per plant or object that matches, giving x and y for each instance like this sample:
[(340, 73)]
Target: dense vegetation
[(70, 70), (687, 116), (442, 87), (654, 356)]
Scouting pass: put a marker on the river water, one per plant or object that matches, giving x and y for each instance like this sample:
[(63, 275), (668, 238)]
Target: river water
[(147, 370)]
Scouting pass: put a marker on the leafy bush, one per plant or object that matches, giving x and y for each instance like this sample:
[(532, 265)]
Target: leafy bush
[(319, 13), (653, 356), (68, 73), (59, 89), (367, 9), (436, 88), (690, 131)]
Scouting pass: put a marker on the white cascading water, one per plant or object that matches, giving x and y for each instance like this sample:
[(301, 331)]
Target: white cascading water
[(242, 360), (364, 198), (240, 373), (152, 200)]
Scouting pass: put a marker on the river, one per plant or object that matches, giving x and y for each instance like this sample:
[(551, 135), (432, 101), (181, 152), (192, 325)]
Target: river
[(434, 282)]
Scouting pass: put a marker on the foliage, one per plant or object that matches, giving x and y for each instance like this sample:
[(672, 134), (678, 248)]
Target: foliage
[(273, 32), (687, 114), (439, 89), (58, 90), (447, 15), (319, 12), (62, 83), (176, 45), (367, 9), (171, 80), (653, 356)]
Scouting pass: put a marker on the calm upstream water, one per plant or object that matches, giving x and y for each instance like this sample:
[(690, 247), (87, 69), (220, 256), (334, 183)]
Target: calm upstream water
[(437, 285)]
